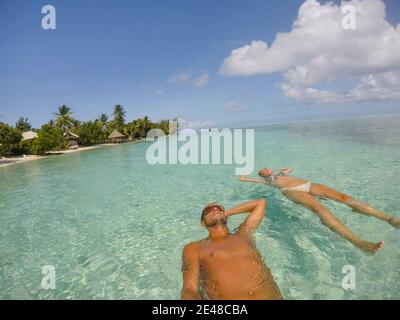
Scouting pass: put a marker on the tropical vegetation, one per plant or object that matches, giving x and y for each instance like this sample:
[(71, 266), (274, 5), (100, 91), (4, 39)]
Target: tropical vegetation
[(53, 135)]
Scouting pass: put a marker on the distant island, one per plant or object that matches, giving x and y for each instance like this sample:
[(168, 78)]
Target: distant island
[(65, 134)]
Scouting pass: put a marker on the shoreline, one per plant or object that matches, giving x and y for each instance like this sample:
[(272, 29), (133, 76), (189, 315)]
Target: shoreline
[(5, 162)]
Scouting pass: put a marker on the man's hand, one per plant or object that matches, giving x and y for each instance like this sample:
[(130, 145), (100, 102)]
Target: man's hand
[(227, 213)]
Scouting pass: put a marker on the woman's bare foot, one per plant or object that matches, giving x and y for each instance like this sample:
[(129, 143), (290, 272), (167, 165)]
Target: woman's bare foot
[(371, 247), (394, 222)]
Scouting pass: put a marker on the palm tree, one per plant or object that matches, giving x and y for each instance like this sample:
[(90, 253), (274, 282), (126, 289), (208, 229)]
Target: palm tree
[(119, 117), (147, 125), (75, 123), (63, 117), (23, 124), (102, 120)]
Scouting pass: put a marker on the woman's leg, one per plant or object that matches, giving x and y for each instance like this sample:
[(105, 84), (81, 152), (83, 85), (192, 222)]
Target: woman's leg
[(319, 190), (328, 219)]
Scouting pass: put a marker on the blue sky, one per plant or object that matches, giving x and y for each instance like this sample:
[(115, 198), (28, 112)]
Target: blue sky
[(156, 58)]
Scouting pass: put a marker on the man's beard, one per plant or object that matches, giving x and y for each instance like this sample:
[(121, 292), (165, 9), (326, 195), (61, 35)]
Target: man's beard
[(219, 221)]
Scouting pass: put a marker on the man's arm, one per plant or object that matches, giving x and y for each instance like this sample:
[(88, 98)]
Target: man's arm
[(190, 271), (256, 208), (245, 179)]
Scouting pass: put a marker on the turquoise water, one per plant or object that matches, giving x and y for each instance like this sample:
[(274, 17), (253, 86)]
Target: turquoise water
[(114, 227)]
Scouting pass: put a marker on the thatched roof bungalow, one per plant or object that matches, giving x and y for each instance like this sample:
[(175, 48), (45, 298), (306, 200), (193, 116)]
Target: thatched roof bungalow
[(29, 135), (72, 139), (116, 137)]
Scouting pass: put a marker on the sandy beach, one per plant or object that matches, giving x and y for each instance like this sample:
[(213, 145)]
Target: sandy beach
[(4, 162), (14, 160), (73, 150)]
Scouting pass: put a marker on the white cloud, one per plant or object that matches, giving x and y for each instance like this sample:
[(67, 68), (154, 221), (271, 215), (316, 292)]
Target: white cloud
[(383, 86), (318, 50), (194, 124), (186, 78), (233, 106), (180, 77), (201, 80)]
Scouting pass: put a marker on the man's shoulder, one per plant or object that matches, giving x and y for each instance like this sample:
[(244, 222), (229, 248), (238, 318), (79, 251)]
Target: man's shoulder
[(193, 246)]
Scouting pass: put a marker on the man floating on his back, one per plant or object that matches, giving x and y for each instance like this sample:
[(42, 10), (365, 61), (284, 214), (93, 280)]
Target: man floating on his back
[(228, 265)]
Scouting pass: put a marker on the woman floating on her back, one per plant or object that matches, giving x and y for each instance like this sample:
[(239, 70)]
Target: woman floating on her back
[(305, 192)]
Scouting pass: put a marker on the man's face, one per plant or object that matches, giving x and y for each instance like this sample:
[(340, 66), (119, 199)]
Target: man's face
[(213, 214)]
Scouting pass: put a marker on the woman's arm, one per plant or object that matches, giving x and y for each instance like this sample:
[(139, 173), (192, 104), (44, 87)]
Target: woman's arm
[(245, 179), (286, 170)]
